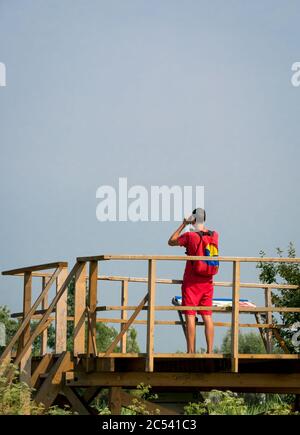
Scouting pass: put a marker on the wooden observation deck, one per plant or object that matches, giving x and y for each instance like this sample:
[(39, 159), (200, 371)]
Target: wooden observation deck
[(79, 375)]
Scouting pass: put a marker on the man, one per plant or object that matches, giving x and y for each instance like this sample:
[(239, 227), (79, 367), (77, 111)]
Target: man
[(197, 289)]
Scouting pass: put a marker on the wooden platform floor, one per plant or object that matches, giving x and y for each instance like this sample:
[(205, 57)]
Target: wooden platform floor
[(185, 374)]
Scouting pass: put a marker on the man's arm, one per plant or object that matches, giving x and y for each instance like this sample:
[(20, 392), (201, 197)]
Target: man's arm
[(173, 240)]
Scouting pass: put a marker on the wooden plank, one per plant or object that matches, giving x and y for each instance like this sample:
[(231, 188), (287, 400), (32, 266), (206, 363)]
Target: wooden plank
[(92, 303), (25, 361), (249, 285), (115, 404), (41, 368), (36, 313), (79, 310), (261, 332), (163, 308), (55, 265), (53, 383), (44, 335), (179, 281), (168, 322), (244, 310), (61, 315), (269, 356), (177, 322), (28, 316), (44, 319), (91, 332), (235, 317), (189, 257), (105, 364), (76, 402), (192, 355), (122, 355), (280, 340), (151, 315), (90, 394), (270, 309), (217, 380), (153, 408), (127, 326), (261, 356), (269, 317), (124, 302)]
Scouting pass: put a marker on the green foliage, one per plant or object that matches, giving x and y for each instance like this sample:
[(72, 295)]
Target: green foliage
[(104, 411), (229, 403), (131, 343), (286, 273), (16, 397), (138, 407), (11, 325), (56, 410), (248, 343), (280, 409), (218, 403), (105, 336)]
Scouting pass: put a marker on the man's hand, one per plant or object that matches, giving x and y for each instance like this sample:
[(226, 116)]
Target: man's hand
[(173, 240)]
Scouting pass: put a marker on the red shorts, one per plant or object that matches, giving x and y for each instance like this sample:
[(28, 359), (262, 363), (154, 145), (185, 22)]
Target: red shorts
[(200, 294)]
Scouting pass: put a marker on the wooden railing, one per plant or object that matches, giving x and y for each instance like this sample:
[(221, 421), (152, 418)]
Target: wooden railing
[(86, 275)]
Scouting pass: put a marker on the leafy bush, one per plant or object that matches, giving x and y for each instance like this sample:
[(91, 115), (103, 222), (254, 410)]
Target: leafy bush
[(218, 403), (229, 403), (286, 273), (16, 397)]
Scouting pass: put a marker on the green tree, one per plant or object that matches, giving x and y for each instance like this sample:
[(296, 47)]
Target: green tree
[(10, 324), (250, 342), (285, 273)]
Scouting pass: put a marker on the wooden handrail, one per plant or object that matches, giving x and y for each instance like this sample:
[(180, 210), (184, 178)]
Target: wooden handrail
[(216, 283), (23, 270), (189, 257), (201, 308), (165, 322)]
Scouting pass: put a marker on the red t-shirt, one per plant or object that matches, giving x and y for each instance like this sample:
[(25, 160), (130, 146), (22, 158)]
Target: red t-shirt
[(197, 290), (190, 240)]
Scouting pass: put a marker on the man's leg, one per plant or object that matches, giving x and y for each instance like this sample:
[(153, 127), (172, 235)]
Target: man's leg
[(190, 332), (209, 331)]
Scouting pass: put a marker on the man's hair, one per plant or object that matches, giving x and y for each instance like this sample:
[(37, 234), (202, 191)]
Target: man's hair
[(200, 212)]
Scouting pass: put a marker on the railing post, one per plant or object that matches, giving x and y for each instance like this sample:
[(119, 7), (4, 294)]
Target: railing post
[(25, 363), (92, 303), (44, 335), (269, 319), (79, 310), (151, 314), (235, 317), (124, 301), (61, 315)]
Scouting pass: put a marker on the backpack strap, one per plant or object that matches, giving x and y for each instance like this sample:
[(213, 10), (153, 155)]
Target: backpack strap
[(200, 234), (203, 233)]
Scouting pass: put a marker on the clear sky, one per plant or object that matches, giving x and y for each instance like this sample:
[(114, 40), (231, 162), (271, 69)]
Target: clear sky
[(163, 93)]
